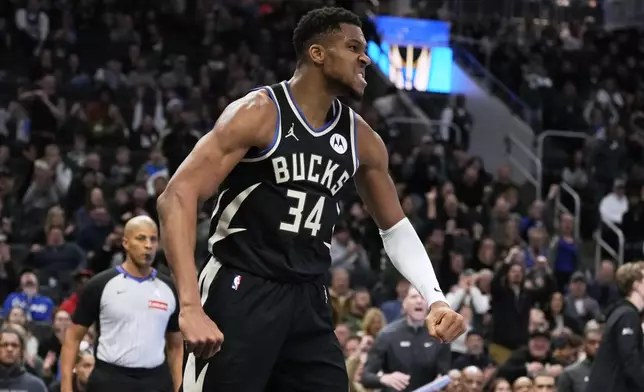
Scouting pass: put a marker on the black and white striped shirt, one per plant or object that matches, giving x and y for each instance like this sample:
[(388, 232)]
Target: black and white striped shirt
[(132, 316)]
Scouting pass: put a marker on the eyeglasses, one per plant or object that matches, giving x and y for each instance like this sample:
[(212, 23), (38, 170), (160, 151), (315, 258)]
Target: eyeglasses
[(9, 345), (542, 387)]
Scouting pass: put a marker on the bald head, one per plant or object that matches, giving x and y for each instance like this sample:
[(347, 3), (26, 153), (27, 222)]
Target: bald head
[(139, 222), (141, 240), (473, 379)]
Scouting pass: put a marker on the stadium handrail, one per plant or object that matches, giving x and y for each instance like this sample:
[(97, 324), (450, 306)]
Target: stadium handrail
[(511, 140), (540, 145), (616, 254), (576, 213)]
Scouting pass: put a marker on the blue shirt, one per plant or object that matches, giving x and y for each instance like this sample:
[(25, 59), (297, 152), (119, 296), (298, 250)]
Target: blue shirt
[(38, 307)]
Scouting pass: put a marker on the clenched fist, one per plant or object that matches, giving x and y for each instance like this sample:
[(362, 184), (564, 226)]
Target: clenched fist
[(444, 323)]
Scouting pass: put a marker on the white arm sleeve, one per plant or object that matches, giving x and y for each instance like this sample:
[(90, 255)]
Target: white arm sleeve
[(409, 256)]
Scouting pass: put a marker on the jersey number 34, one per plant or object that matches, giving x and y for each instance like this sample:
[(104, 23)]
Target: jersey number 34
[(312, 221)]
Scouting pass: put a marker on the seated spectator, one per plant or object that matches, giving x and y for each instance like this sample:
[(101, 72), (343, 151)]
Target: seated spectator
[(603, 288), (522, 384), (55, 218), (17, 316), (82, 370), (12, 372), (372, 322), (473, 379), (476, 355), (50, 347), (37, 307), (392, 309), (95, 199), (356, 308), (98, 228), (346, 253), (340, 292), (57, 260), (500, 385), (40, 194), (532, 359), (561, 319), (582, 306)]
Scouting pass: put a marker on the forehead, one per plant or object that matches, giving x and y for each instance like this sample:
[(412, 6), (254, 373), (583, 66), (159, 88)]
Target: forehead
[(146, 230), (9, 337), (349, 32)]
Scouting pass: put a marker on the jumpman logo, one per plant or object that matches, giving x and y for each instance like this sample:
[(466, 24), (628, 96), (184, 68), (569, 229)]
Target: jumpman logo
[(291, 132)]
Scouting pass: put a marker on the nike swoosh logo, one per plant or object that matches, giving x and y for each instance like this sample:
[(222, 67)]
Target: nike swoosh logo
[(436, 289)]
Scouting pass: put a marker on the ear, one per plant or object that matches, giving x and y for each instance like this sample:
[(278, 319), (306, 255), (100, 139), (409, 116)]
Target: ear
[(317, 53)]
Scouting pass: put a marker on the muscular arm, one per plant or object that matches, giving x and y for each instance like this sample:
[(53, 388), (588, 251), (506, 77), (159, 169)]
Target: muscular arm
[(401, 242), (246, 123)]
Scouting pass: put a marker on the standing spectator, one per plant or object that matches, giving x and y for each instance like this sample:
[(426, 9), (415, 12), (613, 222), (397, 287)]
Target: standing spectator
[(13, 376), (404, 353), (38, 307), (583, 306), (456, 124), (33, 27), (614, 205), (393, 308), (512, 299), (564, 251)]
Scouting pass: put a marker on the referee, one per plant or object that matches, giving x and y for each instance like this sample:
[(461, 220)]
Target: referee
[(136, 314)]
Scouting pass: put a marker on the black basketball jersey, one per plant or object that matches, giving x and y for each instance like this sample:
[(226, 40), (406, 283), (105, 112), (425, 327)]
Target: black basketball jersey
[(276, 210)]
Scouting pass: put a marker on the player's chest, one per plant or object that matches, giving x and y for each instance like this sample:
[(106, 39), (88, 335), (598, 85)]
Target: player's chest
[(133, 299), (315, 162)]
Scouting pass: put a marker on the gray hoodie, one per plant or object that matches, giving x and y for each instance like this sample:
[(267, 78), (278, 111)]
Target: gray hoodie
[(16, 379)]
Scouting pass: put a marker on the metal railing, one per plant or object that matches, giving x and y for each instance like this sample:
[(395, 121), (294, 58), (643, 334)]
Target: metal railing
[(528, 172), (600, 243), (561, 208), (540, 143)]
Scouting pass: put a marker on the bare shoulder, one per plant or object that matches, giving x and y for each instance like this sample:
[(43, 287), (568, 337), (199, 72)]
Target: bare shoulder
[(246, 123), (249, 121), (371, 149)]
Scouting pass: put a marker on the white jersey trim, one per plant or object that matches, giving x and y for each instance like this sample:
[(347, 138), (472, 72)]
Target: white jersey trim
[(278, 131)]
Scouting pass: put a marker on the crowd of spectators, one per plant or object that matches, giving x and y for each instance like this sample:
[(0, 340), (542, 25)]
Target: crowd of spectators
[(100, 100)]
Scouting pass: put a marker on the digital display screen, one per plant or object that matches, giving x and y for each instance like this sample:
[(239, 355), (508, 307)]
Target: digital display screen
[(414, 53)]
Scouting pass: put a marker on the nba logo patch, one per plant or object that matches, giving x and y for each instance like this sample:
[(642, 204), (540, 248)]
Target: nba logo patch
[(236, 282)]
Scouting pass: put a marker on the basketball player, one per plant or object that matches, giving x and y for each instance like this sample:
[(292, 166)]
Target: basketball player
[(277, 159)]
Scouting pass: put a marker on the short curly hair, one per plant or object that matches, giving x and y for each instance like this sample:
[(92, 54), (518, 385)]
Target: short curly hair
[(627, 275), (315, 24)]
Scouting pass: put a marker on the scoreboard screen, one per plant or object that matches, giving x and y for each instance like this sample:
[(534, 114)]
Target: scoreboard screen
[(413, 53)]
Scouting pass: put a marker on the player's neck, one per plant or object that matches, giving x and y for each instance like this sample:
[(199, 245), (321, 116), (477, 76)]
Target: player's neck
[(636, 300), (312, 95), (136, 271)]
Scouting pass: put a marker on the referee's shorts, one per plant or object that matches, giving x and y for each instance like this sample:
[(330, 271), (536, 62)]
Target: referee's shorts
[(111, 378)]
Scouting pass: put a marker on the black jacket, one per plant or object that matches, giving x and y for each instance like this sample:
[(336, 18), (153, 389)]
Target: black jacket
[(619, 364)]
